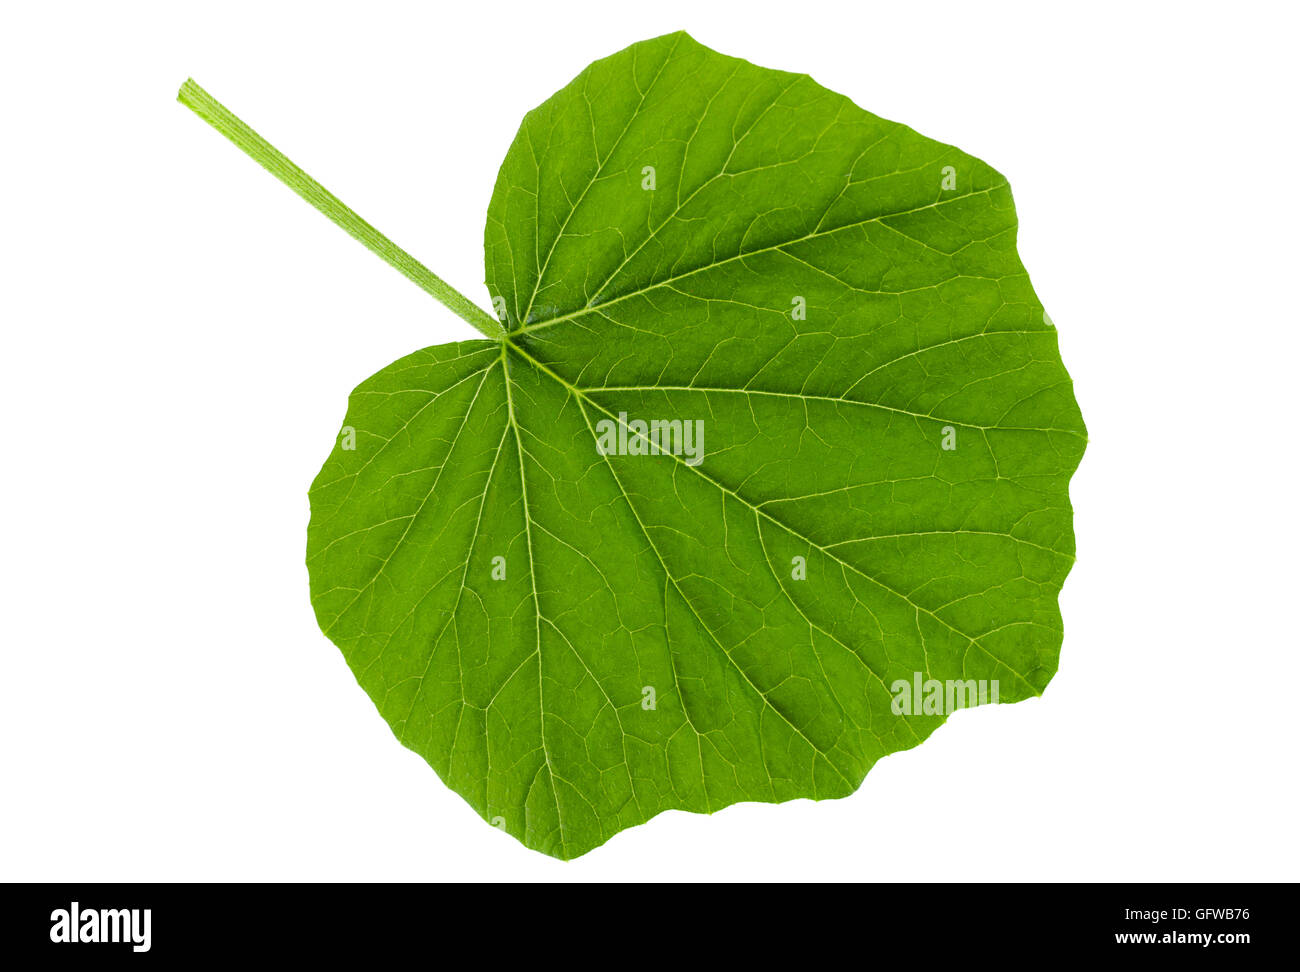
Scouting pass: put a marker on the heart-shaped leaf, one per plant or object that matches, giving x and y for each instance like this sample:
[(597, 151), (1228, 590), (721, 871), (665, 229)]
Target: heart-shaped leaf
[(773, 454)]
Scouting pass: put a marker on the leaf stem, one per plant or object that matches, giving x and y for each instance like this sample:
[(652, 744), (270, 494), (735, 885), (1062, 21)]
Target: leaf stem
[(275, 162)]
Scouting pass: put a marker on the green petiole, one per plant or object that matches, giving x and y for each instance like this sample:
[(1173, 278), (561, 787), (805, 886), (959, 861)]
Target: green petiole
[(275, 162)]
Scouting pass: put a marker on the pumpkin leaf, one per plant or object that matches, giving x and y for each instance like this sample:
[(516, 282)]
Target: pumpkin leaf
[(769, 450)]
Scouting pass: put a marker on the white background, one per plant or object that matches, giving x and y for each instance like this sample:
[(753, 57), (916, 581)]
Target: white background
[(181, 332)]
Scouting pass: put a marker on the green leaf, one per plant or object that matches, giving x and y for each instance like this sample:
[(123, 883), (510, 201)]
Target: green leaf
[(577, 641)]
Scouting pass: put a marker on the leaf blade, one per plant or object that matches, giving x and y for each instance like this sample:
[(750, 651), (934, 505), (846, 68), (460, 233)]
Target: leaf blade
[(628, 572)]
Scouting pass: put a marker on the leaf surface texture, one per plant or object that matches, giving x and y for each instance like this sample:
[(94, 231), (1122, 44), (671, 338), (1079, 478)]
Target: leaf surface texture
[(822, 441)]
